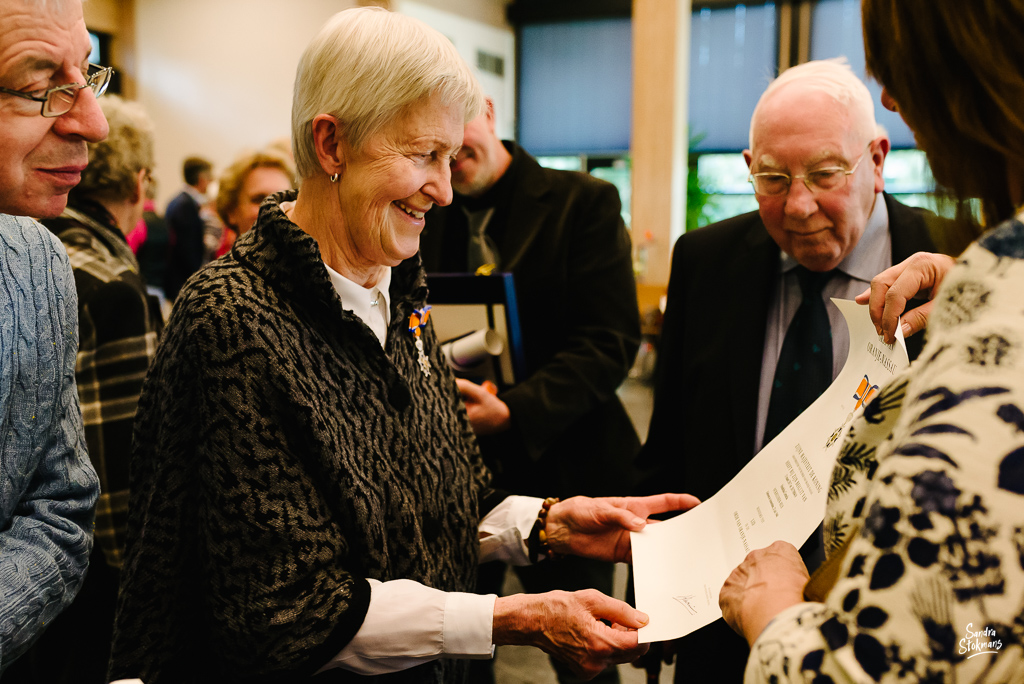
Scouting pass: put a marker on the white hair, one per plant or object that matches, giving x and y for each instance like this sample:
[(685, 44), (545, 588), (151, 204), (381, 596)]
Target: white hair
[(367, 65), (832, 77), (114, 163)]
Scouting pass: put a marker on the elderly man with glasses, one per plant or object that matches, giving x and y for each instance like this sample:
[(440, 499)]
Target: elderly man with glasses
[(750, 337), (48, 488)]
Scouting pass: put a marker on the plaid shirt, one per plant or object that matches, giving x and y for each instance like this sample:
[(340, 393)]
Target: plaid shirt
[(118, 332)]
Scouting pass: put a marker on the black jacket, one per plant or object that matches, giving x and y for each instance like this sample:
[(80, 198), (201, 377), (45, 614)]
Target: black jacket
[(564, 241)]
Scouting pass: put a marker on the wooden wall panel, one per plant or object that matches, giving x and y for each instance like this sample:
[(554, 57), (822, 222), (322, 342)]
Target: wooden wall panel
[(661, 30)]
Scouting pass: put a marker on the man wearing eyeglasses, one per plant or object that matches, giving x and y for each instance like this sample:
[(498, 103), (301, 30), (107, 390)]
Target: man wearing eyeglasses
[(48, 488), (743, 350)]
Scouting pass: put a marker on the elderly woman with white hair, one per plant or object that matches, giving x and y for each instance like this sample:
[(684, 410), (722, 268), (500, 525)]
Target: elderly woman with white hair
[(307, 493)]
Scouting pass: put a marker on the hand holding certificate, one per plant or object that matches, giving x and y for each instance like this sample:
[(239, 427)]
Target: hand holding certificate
[(767, 582), (680, 565)]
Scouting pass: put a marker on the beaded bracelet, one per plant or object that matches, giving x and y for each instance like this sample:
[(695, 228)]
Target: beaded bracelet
[(538, 544)]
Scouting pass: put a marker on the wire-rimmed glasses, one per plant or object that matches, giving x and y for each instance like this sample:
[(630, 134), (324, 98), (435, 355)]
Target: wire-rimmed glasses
[(59, 101), (772, 183)]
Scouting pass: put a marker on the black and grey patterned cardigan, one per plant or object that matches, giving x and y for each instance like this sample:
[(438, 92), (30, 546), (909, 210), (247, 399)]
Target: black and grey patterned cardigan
[(281, 457)]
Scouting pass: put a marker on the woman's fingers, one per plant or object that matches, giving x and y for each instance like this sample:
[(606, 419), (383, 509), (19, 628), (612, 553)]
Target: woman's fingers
[(890, 290)]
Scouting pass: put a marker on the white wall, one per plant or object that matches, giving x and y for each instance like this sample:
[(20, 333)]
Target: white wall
[(216, 77), (486, 11), (468, 36)]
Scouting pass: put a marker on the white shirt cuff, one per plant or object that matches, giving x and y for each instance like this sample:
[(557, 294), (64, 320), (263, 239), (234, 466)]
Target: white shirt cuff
[(468, 620), (408, 623), (505, 530)]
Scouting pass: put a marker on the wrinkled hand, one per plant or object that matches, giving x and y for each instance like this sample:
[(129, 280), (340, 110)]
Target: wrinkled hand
[(599, 528), (568, 626), (767, 582), (892, 288), (487, 413)]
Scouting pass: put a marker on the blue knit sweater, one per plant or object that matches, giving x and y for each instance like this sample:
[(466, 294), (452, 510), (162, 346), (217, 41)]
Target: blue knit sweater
[(48, 487)]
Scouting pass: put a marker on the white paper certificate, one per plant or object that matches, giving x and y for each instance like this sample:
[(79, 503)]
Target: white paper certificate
[(679, 566)]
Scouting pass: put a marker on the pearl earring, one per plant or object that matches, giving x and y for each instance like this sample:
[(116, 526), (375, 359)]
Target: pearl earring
[(334, 178)]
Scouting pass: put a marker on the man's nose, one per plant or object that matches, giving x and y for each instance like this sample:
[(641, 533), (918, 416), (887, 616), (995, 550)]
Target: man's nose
[(84, 120), (800, 202)]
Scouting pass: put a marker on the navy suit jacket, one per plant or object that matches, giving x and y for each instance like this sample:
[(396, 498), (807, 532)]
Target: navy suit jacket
[(187, 252)]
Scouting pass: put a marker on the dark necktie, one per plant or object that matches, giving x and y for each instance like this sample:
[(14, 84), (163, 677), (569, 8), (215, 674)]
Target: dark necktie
[(804, 369), (803, 373)]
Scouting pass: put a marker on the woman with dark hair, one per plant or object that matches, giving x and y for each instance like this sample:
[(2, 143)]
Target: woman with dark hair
[(925, 520)]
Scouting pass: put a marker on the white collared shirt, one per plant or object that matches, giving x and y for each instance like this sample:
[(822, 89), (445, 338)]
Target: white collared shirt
[(371, 305)]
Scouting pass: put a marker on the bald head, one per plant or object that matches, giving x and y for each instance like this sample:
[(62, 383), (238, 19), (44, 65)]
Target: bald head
[(807, 112), (827, 79)]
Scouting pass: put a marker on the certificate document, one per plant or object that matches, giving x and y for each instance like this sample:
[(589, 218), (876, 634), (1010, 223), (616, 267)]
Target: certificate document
[(679, 566)]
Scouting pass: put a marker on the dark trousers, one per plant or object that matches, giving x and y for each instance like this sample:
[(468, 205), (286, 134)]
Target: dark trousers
[(714, 654), (75, 647), (568, 574)]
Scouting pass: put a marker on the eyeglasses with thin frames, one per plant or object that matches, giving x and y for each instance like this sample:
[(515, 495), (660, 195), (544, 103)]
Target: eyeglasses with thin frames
[(773, 183), (59, 101)]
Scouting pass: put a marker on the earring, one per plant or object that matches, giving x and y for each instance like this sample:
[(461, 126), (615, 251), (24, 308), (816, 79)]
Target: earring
[(334, 178)]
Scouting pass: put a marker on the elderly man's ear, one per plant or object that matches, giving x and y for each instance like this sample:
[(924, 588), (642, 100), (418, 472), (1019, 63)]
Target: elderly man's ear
[(879, 150), (329, 143)]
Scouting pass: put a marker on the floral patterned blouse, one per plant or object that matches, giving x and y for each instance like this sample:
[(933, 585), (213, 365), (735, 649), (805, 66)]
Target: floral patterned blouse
[(929, 491)]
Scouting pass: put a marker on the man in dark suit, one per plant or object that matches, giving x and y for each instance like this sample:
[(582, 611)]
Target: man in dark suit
[(562, 431), (736, 290), (186, 226)]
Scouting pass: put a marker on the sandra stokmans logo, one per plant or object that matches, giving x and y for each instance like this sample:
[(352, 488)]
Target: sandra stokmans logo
[(979, 643)]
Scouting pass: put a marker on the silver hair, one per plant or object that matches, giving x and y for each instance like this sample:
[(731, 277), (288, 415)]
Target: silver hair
[(366, 66), (114, 163), (834, 78)]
